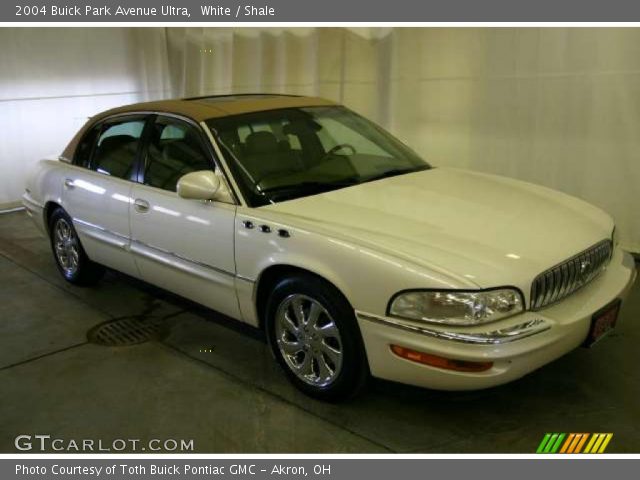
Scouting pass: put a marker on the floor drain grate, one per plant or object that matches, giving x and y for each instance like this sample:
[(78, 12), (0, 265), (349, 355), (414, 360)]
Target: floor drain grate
[(127, 331)]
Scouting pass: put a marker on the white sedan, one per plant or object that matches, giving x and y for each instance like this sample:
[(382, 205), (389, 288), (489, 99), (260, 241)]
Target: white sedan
[(357, 258)]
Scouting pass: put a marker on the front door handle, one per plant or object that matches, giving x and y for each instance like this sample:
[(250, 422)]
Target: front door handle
[(68, 183), (141, 206)]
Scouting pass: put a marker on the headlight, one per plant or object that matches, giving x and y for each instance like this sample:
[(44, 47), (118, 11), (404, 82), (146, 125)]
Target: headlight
[(457, 307)]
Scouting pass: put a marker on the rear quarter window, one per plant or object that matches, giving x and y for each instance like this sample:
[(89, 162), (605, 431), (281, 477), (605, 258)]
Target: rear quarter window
[(82, 155)]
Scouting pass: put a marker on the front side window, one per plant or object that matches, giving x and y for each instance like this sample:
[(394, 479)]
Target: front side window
[(175, 148), (283, 154), (117, 147)]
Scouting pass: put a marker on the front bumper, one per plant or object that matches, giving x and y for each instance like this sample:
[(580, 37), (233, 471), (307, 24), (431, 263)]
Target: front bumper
[(516, 346)]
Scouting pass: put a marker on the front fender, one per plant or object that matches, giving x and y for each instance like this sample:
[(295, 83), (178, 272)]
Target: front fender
[(366, 277)]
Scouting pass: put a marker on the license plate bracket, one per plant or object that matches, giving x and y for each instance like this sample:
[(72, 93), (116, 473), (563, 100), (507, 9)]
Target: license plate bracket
[(603, 322)]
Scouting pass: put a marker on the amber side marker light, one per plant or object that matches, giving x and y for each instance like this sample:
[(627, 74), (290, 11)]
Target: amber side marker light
[(440, 362)]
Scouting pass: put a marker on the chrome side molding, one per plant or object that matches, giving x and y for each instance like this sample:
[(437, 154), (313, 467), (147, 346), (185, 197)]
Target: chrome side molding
[(164, 257), (97, 232)]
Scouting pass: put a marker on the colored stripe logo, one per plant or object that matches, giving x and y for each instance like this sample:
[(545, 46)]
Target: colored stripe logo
[(574, 443)]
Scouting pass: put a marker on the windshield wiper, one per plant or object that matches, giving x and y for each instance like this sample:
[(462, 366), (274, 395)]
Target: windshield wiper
[(302, 189), (309, 186), (394, 172)]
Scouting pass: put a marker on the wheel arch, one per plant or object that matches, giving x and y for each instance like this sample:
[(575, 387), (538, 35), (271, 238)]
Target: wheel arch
[(271, 275), (48, 209)]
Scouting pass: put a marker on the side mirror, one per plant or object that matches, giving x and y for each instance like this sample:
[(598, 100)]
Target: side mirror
[(200, 185)]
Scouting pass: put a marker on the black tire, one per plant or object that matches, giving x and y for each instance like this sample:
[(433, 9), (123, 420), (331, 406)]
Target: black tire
[(85, 272), (353, 371)]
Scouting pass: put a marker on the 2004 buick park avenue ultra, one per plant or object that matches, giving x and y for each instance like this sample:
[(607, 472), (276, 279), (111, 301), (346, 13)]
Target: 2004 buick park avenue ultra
[(298, 216)]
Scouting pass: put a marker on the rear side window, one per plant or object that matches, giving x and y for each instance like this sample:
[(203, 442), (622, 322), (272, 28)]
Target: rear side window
[(116, 149), (175, 149), (82, 156)]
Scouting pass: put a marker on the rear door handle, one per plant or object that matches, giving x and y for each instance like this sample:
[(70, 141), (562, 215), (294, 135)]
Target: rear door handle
[(68, 183), (141, 206)]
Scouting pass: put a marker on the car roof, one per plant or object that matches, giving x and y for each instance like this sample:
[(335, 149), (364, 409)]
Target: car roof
[(215, 106)]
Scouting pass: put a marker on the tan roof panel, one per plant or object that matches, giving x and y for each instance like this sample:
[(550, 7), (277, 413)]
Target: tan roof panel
[(204, 108)]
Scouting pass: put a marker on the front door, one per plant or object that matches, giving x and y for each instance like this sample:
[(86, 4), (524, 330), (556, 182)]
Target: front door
[(185, 246)]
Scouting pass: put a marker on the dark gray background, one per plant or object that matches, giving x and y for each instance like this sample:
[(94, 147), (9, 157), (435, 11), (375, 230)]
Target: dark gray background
[(372, 469), (366, 11)]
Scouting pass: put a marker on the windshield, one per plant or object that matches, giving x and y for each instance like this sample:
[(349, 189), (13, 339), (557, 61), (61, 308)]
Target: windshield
[(280, 155)]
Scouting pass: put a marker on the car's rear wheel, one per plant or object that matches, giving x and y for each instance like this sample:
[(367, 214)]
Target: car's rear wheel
[(314, 336), (71, 259)]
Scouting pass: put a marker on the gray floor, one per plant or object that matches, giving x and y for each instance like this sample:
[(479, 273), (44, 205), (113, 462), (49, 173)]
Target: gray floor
[(233, 398)]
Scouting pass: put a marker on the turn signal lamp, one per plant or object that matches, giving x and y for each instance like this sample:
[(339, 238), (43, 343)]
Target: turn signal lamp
[(440, 362)]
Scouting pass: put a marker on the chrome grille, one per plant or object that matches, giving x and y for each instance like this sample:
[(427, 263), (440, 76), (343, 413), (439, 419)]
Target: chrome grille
[(564, 279)]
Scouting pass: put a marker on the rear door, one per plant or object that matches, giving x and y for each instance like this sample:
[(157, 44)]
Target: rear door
[(97, 190), (185, 246)]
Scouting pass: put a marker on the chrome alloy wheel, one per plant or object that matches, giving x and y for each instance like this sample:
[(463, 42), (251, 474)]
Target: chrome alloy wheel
[(309, 340), (66, 247)]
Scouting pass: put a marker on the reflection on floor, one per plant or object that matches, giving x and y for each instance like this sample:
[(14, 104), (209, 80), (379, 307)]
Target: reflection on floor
[(212, 381)]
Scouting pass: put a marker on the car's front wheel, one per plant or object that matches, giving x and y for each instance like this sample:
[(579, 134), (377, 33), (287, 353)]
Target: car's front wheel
[(71, 259), (314, 336)]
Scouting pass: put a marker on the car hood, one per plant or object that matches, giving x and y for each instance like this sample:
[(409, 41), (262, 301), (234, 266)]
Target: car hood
[(484, 230)]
